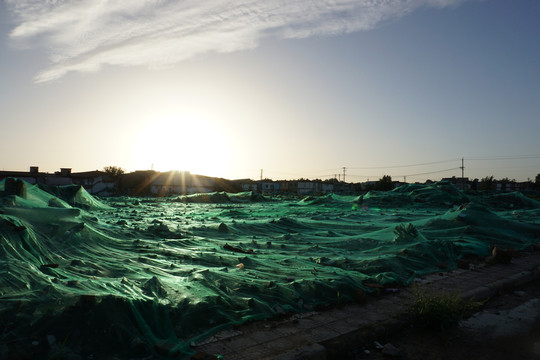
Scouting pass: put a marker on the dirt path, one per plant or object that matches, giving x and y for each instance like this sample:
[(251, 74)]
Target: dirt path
[(507, 327)]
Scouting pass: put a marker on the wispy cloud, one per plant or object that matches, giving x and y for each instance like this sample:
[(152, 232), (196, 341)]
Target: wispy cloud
[(84, 35)]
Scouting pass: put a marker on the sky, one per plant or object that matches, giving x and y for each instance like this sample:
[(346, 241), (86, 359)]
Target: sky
[(279, 89)]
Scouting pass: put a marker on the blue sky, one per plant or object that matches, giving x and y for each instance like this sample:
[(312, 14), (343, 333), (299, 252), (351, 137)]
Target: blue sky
[(299, 89)]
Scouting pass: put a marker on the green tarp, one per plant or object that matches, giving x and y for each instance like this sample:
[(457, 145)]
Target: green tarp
[(159, 273)]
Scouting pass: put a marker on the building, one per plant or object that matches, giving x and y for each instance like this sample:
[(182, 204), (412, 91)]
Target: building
[(96, 182), (269, 187), (33, 176)]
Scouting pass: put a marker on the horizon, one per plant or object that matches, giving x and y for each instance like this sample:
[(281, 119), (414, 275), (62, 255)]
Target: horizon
[(226, 89), (338, 178)]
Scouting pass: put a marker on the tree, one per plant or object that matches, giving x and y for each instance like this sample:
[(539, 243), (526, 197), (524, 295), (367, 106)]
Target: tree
[(537, 181), (385, 183), (486, 183), (507, 180), (113, 171)]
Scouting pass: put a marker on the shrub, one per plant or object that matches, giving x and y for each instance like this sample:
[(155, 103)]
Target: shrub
[(439, 309)]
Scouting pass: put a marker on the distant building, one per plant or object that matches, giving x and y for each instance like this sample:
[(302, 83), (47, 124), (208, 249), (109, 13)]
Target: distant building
[(203, 184), (183, 182), (269, 187), (96, 182), (153, 183), (171, 182), (460, 183), (314, 187), (368, 185), (32, 177), (248, 186), (137, 183), (288, 187)]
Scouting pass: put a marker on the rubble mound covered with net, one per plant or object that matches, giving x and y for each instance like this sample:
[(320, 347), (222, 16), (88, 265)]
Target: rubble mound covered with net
[(126, 276)]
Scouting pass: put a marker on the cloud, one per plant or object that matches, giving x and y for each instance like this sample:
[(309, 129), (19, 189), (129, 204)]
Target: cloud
[(84, 35)]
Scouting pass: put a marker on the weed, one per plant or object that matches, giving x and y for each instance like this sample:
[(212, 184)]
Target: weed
[(439, 310)]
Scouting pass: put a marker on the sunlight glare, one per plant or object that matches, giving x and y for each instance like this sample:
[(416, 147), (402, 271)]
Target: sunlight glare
[(180, 142)]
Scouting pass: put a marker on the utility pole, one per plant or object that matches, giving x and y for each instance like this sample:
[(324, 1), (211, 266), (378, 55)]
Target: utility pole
[(261, 174), (405, 179), (344, 169), (462, 174)]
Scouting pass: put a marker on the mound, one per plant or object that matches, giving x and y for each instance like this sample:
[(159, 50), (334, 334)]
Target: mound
[(325, 199), (222, 198), (248, 196), (19, 193), (508, 201), (75, 195), (384, 199), (151, 276), (205, 198), (440, 194)]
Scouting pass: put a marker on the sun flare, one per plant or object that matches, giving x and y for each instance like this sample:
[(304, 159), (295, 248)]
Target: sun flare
[(180, 142)]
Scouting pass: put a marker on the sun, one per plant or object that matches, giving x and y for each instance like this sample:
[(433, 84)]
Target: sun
[(182, 142)]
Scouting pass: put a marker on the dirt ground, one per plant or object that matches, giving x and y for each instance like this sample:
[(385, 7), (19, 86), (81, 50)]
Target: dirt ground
[(506, 327)]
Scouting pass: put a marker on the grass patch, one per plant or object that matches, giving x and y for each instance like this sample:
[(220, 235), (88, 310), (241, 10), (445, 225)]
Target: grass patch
[(439, 309)]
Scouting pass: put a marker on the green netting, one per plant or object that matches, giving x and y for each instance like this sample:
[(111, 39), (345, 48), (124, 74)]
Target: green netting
[(439, 194), (75, 195), (221, 197), (162, 273)]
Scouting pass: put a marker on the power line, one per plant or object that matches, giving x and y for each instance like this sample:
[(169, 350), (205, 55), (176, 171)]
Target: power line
[(343, 172), (302, 173), (475, 158), (518, 157), (462, 174), (406, 175), (401, 166), (431, 172)]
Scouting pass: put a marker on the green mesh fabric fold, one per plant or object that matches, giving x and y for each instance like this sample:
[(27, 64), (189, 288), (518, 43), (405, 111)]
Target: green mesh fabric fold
[(165, 272)]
